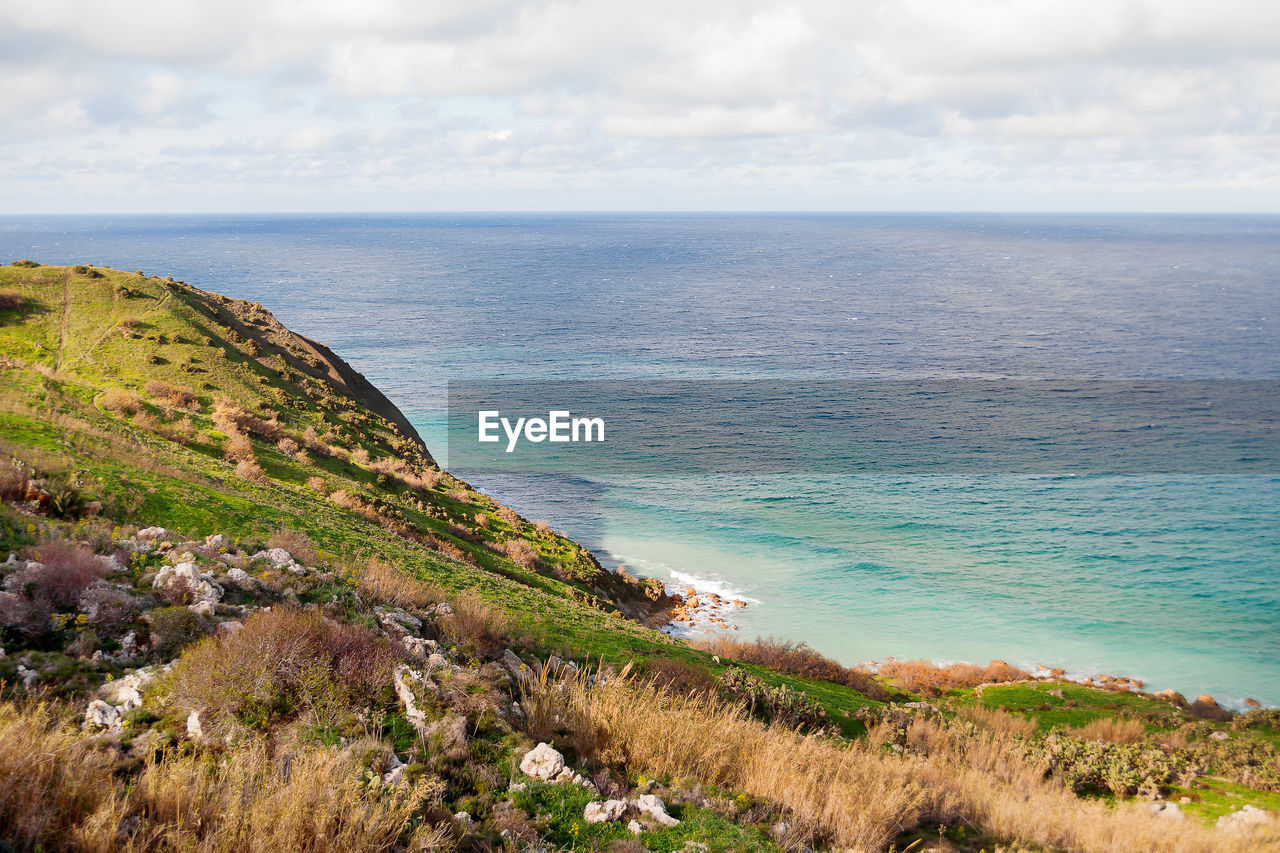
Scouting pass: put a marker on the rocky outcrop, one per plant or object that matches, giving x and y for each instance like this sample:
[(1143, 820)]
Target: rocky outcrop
[(606, 812), (653, 806)]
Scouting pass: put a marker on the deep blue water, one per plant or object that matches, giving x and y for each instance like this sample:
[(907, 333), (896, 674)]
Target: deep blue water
[(1169, 577)]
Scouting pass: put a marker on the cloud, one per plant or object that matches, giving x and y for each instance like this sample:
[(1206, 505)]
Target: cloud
[(869, 101)]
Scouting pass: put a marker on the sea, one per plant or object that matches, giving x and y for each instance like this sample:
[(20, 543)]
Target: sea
[(1164, 569)]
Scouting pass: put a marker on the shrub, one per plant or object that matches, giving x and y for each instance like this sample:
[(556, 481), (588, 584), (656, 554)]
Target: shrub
[(796, 659), (12, 300), (121, 401), (172, 629), (674, 676), (521, 553), (929, 679), (248, 469), (231, 419), (62, 571), (179, 398), (281, 663), (28, 264), (318, 485)]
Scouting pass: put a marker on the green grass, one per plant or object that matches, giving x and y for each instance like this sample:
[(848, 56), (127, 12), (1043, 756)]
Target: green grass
[(1213, 798), (1078, 705)]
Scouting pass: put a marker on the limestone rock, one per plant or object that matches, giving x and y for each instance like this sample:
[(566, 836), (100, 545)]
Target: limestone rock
[(513, 663), (127, 691), (202, 588), (194, 728), (635, 827), (218, 540), (278, 558), (542, 762), (229, 627), (100, 713), (202, 608), (403, 678), (606, 812), (1173, 697), (152, 534), (241, 578), (651, 805), (1245, 819), (1219, 736)]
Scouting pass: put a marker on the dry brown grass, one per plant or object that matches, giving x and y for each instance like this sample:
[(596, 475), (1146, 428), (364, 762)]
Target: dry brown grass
[(297, 544), (477, 624), (795, 659), (858, 795), (521, 553), (12, 300), (172, 396), (383, 582), (58, 792), (318, 485), (930, 679), (1112, 729), (232, 419), (120, 401), (1000, 723)]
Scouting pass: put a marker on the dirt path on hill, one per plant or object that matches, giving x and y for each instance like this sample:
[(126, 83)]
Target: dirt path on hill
[(62, 329)]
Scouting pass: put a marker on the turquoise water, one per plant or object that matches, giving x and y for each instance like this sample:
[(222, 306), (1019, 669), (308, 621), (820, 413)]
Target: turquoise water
[(1167, 577)]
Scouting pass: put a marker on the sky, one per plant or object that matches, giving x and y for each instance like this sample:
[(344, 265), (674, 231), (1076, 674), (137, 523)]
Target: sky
[(504, 105)]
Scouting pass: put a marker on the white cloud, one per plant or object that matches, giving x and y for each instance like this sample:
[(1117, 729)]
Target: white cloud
[(617, 103)]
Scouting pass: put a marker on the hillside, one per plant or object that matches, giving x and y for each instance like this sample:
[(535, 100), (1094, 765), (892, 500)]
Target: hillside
[(244, 609)]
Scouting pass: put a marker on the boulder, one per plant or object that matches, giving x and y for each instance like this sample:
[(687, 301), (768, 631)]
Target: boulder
[(542, 762), (403, 678), (152, 534), (100, 713), (194, 728), (1173, 697), (202, 608), (651, 805), (1252, 703), (635, 827), (1245, 819), (229, 627), (241, 578), (202, 588), (127, 691), (606, 812), (278, 558), (395, 773), (218, 540), (1207, 708), (513, 663), (1168, 811), (1219, 736)]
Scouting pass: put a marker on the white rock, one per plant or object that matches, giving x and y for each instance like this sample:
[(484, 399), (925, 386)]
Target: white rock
[(516, 787), (297, 569), (444, 609), (127, 691), (279, 557), (542, 762), (635, 827), (152, 534), (1246, 818), (606, 812), (100, 713), (202, 608), (416, 646), (229, 627), (1219, 736), (463, 817), (194, 728), (395, 772), (1169, 811), (202, 589), (436, 661), (28, 676), (240, 578), (565, 775), (403, 678), (651, 805), (218, 540)]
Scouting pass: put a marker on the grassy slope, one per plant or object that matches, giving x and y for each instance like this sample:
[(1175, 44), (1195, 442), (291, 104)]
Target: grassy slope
[(69, 346)]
